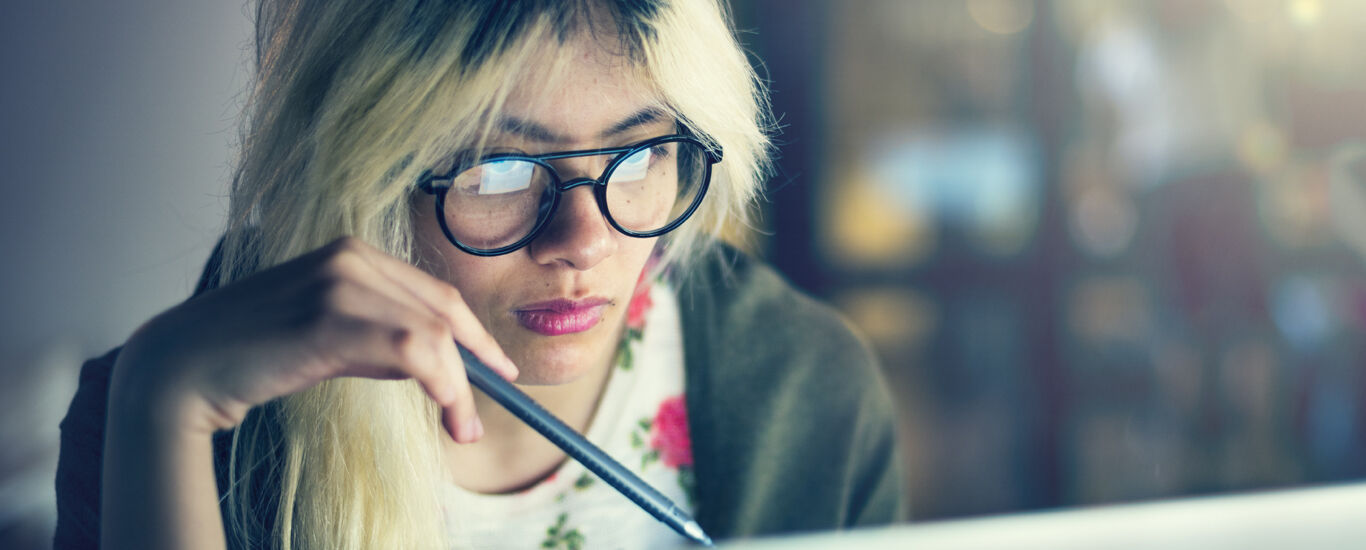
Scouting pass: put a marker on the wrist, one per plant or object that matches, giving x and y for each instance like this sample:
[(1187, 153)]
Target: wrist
[(149, 390), (158, 487)]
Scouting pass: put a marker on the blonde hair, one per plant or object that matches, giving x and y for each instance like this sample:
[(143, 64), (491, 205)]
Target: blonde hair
[(351, 101)]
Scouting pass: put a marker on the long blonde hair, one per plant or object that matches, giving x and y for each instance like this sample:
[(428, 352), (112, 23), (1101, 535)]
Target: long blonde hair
[(350, 102)]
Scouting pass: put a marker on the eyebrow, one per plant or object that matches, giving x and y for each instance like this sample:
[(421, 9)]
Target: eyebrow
[(640, 118), (538, 132)]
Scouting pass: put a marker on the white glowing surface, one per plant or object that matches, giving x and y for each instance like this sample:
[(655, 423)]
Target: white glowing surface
[(1322, 518)]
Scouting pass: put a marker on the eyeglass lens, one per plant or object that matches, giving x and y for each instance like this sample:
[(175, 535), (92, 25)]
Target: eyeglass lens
[(499, 202)]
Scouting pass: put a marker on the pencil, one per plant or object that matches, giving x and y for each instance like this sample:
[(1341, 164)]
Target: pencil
[(580, 449)]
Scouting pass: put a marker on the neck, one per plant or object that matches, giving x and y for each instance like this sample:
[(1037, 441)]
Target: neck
[(512, 455)]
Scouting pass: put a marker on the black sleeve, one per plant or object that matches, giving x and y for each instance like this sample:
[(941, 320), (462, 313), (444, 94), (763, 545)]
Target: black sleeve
[(80, 461)]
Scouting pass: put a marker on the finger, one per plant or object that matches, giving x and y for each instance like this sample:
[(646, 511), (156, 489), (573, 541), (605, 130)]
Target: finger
[(445, 301), (374, 336), (354, 261), (407, 356), (462, 429), (460, 416), (464, 326)]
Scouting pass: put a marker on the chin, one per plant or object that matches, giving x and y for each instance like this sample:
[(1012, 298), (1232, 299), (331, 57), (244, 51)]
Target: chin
[(548, 376), (546, 360), (556, 365)]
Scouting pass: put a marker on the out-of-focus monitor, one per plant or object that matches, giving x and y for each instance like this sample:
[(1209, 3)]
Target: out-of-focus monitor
[(1328, 517)]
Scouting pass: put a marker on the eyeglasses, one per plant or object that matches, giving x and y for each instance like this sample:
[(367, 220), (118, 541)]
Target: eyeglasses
[(495, 204)]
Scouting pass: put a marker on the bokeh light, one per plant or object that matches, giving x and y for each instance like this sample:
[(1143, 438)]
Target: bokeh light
[(1108, 249), (1304, 12), (1002, 16)]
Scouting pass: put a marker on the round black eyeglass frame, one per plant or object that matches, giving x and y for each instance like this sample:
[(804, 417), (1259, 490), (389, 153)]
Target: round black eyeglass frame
[(439, 185)]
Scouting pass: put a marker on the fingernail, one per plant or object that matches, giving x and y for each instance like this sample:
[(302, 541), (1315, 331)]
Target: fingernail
[(467, 430), (478, 428)]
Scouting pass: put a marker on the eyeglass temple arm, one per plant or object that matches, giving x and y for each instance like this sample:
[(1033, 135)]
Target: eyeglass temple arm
[(424, 182)]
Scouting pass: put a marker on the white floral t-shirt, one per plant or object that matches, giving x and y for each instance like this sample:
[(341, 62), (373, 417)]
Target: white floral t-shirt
[(641, 421)]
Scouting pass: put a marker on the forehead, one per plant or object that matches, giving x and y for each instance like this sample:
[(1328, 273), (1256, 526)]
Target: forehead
[(581, 92)]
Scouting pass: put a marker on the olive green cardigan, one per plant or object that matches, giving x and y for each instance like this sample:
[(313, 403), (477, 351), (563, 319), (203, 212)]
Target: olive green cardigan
[(792, 428)]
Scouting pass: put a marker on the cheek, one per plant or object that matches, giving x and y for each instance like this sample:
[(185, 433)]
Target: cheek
[(475, 277), (483, 283), (432, 252), (635, 256), (437, 256)]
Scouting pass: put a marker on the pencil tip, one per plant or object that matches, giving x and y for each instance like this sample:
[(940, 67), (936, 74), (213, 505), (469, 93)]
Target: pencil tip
[(695, 531)]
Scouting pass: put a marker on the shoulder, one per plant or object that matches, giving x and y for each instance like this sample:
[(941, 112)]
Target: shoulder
[(737, 309), (793, 426), (80, 460)]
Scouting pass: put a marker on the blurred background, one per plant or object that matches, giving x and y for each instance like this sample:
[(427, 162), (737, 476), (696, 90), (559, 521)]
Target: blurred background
[(1107, 250), (117, 121)]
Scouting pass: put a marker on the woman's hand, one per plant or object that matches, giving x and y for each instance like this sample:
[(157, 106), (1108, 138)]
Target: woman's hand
[(343, 310), (346, 309)]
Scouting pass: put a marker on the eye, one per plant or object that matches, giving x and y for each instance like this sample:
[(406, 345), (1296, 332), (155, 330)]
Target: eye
[(634, 166), (503, 167), (504, 176), (638, 158)]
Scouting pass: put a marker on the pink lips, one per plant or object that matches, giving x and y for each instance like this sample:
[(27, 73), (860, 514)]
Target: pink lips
[(557, 317)]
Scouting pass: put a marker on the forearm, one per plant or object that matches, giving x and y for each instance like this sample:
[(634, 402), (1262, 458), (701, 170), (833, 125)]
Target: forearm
[(159, 489)]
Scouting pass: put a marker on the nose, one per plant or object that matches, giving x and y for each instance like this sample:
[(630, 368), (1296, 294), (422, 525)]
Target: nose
[(577, 235)]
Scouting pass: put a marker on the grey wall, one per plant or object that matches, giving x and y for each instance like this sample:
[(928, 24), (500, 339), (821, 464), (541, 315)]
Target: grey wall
[(116, 127)]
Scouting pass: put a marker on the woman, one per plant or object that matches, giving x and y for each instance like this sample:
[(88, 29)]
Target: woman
[(525, 178)]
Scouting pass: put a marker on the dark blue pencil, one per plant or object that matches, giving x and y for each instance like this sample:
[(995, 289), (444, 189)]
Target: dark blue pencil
[(578, 447)]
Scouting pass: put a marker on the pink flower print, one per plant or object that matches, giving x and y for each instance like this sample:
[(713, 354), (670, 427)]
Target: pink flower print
[(640, 301), (640, 305), (635, 321), (670, 429)]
